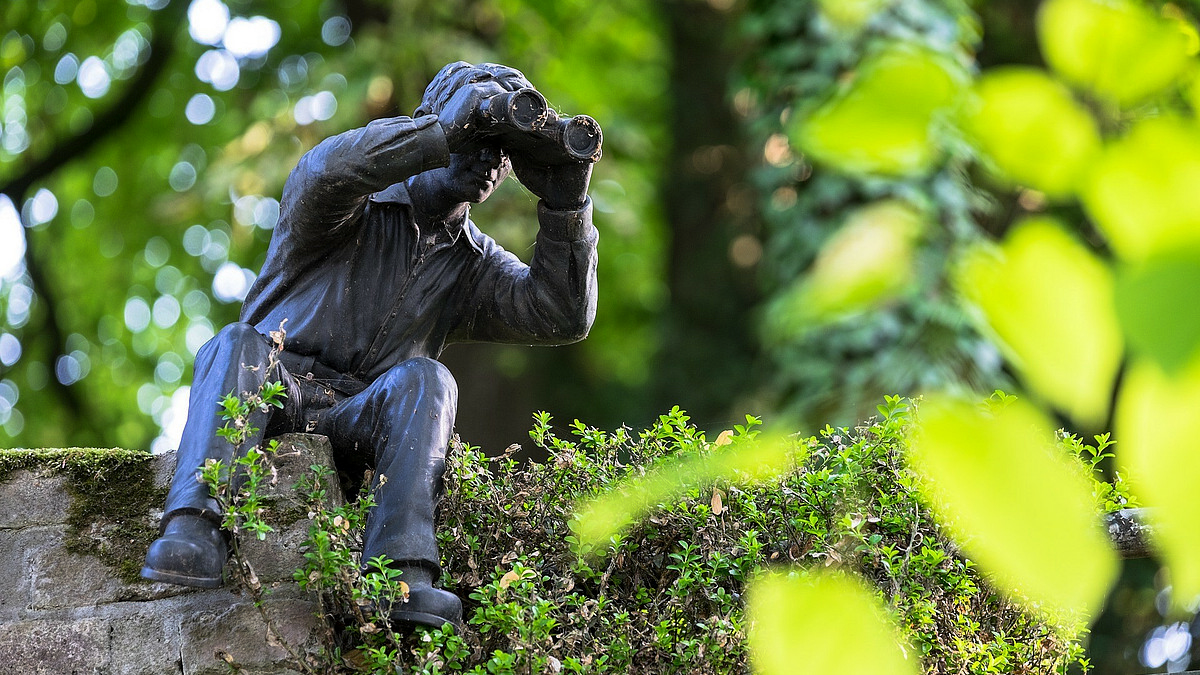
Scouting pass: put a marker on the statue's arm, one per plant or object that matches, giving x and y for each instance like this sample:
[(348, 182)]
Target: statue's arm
[(330, 185), (550, 301)]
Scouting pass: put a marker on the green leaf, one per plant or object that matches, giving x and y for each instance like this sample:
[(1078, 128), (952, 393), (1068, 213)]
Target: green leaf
[(746, 461), (1142, 191), (1015, 504), (1158, 450), (1049, 303), (1157, 307), (851, 15), (1033, 129), (882, 120), (802, 625), (866, 262), (1117, 49)]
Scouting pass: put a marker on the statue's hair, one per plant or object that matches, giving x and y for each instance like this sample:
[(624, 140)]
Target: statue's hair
[(455, 75)]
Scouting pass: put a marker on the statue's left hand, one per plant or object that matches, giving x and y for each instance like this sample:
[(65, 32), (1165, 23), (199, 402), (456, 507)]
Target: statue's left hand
[(460, 118), (563, 187)]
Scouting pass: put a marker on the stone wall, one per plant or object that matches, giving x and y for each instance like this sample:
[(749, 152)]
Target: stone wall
[(74, 525)]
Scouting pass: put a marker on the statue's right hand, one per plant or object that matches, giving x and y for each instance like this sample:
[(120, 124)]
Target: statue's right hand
[(460, 117)]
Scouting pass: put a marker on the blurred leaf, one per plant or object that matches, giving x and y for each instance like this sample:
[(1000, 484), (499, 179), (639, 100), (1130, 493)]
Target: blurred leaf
[(1023, 513), (1142, 191), (1116, 48), (882, 120), (1157, 308), (851, 14), (745, 461), (1050, 303), (822, 624), (1033, 129), (1159, 452), (868, 261)]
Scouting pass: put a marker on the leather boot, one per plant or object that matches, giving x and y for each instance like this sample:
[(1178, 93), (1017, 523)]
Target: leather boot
[(191, 552), (426, 605)]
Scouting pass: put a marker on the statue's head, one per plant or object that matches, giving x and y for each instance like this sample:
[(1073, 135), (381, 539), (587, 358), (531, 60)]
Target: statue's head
[(454, 75), (471, 176)]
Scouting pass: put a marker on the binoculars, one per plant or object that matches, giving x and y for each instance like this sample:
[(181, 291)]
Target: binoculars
[(526, 124)]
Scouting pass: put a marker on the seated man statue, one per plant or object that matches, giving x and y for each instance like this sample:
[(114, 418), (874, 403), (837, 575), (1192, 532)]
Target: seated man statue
[(376, 266)]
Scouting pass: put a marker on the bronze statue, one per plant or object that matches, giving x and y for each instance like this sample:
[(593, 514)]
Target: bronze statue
[(376, 266)]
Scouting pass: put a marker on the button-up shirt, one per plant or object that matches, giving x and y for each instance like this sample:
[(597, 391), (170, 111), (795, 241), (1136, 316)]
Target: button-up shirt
[(363, 288)]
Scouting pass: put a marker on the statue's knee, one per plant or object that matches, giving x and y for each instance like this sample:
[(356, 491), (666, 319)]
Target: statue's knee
[(233, 337), (425, 375)]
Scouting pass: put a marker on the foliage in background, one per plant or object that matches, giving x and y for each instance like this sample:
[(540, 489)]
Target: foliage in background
[(1093, 308), (847, 103), (1103, 140), (144, 146)]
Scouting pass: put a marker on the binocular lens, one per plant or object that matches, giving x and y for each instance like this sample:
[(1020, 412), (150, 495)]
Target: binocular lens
[(524, 122), (581, 137), (526, 107), (523, 109)]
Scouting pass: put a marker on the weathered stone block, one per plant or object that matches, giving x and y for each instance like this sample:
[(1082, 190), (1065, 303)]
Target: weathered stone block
[(144, 638), (61, 580), (71, 539), (215, 635), (34, 498), (55, 647), (279, 555), (17, 550)]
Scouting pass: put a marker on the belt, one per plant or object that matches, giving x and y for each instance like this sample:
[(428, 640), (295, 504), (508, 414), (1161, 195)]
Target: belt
[(308, 368)]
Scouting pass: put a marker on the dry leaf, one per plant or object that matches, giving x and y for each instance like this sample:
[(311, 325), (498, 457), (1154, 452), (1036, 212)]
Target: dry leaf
[(718, 505), (725, 438), (404, 591), (508, 578)]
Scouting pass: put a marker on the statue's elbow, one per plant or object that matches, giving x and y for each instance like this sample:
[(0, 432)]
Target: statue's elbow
[(578, 326), (580, 332), (583, 324)]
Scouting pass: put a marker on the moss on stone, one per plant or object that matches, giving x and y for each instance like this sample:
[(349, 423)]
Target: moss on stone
[(59, 459), (112, 492)]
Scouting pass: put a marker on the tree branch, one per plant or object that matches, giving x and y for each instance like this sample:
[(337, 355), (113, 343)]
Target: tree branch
[(108, 122), (117, 114), (1129, 532)]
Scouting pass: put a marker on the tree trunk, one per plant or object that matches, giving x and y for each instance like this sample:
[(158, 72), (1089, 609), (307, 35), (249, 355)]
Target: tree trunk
[(708, 344)]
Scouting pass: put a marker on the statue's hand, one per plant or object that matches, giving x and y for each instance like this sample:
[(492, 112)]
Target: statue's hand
[(460, 117), (563, 187)]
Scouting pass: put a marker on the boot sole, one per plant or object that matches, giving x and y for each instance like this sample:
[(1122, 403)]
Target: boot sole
[(424, 619), (181, 579)]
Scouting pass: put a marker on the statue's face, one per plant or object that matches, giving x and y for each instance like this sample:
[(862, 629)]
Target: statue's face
[(474, 176)]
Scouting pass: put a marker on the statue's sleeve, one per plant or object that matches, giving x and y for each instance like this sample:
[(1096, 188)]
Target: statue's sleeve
[(326, 192), (552, 300)]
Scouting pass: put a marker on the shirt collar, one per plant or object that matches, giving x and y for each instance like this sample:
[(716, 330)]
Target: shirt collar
[(397, 193)]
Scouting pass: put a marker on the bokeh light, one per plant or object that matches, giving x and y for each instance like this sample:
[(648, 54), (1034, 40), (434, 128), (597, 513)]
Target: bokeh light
[(94, 79), (207, 21), (12, 240), (232, 282), (200, 109), (251, 38), (335, 31)]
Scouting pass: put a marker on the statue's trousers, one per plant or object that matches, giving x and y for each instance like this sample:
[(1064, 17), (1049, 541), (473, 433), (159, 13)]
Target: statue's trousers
[(400, 424)]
